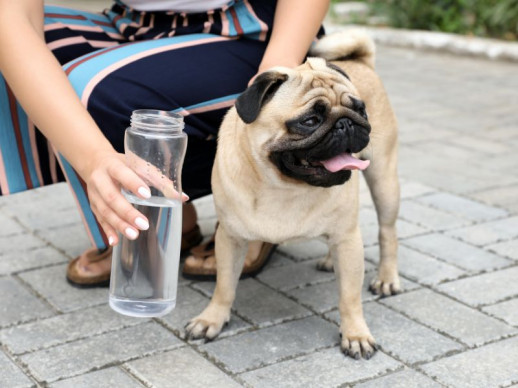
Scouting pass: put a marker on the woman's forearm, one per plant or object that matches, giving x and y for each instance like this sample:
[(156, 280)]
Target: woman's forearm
[(42, 88), (295, 26)]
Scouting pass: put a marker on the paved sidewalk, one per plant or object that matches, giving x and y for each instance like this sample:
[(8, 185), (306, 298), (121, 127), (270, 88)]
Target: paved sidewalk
[(456, 324)]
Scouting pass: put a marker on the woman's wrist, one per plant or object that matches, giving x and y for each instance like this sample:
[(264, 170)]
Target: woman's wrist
[(86, 162)]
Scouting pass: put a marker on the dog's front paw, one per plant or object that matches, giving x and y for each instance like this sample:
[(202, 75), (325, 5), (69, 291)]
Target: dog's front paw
[(385, 285), (208, 324), (359, 345)]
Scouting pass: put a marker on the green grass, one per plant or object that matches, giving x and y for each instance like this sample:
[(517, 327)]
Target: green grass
[(487, 18)]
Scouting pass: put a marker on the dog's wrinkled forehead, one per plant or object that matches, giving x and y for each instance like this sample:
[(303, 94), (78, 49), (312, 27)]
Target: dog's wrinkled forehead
[(321, 77)]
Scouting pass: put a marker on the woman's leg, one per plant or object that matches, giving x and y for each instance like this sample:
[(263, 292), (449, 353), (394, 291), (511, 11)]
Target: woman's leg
[(26, 158), (71, 34), (198, 75)]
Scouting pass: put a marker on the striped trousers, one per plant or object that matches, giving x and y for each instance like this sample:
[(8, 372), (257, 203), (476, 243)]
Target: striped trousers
[(122, 60)]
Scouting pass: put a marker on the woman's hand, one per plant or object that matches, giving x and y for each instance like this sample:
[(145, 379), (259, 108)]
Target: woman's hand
[(107, 174)]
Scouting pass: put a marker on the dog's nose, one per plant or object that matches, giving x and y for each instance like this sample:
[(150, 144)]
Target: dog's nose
[(346, 125)]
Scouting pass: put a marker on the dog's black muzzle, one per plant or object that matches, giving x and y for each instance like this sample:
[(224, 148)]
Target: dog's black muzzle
[(344, 136)]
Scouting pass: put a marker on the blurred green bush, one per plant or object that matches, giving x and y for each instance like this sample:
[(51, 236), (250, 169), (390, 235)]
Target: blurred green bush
[(490, 18)]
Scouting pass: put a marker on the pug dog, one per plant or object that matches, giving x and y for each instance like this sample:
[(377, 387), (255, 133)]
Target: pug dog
[(285, 170)]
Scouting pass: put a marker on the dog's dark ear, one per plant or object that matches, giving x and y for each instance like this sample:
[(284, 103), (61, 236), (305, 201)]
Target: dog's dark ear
[(250, 102)]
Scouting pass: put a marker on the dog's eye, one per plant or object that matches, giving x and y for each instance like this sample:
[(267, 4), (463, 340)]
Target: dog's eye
[(310, 121)]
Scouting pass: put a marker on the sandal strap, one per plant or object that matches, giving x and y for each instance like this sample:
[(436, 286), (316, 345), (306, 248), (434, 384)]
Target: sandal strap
[(93, 255), (191, 238), (206, 249)]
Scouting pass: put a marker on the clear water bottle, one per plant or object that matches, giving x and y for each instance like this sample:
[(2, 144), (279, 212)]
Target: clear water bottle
[(144, 273)]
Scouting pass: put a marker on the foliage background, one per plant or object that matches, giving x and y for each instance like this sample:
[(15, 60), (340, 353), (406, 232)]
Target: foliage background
[(487, 18)]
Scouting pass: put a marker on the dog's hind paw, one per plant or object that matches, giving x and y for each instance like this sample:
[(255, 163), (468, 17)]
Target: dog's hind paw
[(206, 325), (385, 287), (359, 346), (325, 264)]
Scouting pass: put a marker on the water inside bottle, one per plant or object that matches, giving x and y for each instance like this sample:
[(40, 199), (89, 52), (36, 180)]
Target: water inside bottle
[(144, 278)]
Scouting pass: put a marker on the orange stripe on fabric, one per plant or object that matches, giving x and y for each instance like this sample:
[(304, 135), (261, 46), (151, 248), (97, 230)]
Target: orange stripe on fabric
[(62, 16), (19, 140), (71, 68), (239, 30), (35, 153)]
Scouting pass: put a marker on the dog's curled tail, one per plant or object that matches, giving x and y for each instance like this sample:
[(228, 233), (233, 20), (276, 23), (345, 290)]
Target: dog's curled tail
[(347, 44)]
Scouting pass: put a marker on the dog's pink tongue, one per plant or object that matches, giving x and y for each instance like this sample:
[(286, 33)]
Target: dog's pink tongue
[(345, 162)]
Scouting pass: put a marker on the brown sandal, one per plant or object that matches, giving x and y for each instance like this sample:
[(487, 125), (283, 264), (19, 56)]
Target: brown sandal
[(89, 281), (201, 264), (189, 239)]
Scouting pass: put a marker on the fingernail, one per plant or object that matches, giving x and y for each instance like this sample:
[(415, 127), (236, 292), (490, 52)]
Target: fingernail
[(144, 192), (111, 240), (131, 233), (141, 223), (185, 197)]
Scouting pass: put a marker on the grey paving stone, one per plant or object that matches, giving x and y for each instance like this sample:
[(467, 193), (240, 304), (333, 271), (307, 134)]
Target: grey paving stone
[(456, 252), (78, 357), (410, 189), (10, 375), (304, 250), (45, 213), (260, 304), (105, 378), (419, 132), (278, 259), (504, 197), (405, 229), (9, 226), (507, 161), (508, 311), (189, 304), (19, 243), (52, 285), (420, 267), (482, 146), (401, 337), (484, 289), (406, 378), (45, 207), (294, 275), (462, 207), (19, 305), (367, 216), (488, 233), (325, 368), (433, 169), (15, 261), (369, 234), (508, 249), (429, 218), (180, 368), (267, 346), (64, 328), (467, 369), (8, 201), (71, 239), (447, 316), (61, 217), (324, 297)]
